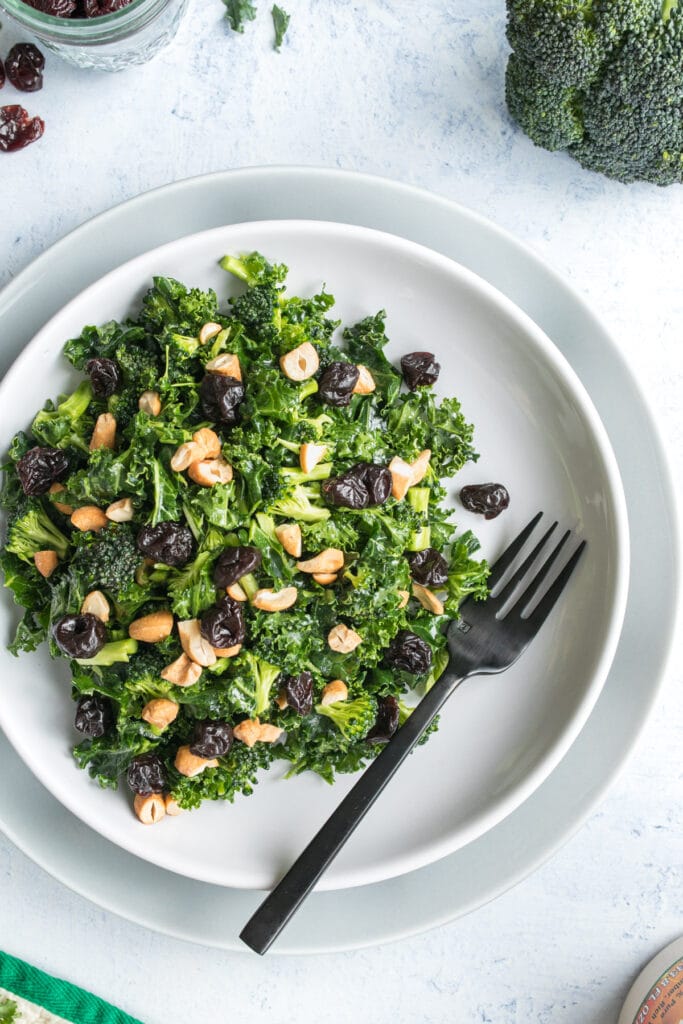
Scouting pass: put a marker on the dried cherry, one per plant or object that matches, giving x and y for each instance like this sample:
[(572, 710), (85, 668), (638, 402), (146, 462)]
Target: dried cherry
[(223, 625), (234, 563), (428, 567), (420, 369), (24, 66), (170, 543), (94, 715), (96, 8), (58, 8), (386, 722), (146, 774), (39, 468), (337, 382), (79, 636), (18, 129), (211, 739), (299, 692), (409, 652), (488, 500), (361, 486), (220, 398), (105, 376)]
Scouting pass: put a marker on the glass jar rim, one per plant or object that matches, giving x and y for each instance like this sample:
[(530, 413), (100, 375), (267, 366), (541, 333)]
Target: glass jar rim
[(100, 29)]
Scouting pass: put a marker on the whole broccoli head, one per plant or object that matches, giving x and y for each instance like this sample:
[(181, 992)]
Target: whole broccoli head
[(603, 80), (107, 560), (353, 718)]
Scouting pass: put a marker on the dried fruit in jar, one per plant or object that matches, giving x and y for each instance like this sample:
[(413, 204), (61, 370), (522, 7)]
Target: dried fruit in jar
[(428, 567), (488, 500), (170, 543), (79, 636), (299, 692), (234, 563), (420, 369), (39, 468), (223, 625), (105, 376), (409, 652), (18, 129), (96, 8), (336, 384), (362, 486), (146, 774), (94, 715), (220, 398), (57, 8), (386, 722), (24, 66), (211, 739)]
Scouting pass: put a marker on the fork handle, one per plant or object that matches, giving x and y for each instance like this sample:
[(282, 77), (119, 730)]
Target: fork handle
[(273, 914)]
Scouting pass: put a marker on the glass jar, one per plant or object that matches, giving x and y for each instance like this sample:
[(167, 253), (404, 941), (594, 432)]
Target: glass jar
[(111, 42)]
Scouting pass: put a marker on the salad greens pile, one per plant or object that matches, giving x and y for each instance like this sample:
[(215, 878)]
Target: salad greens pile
[(164, 351)]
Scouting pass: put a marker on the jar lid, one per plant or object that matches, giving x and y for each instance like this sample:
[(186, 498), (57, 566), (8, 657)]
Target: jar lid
[(656, 996)]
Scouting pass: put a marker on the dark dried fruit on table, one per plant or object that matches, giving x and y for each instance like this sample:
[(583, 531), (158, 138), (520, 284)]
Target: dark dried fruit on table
[(80, 636), (223, 625), (24, 66), (220, 398), (105, 376), (211, 739), (409, 652), (169, 543), (386, 722), (146, 774), (18, 129), (337, 383), (39, 468), (489, 500), (420, 369), (428, 567), (299, 692), (361, 486), (96, 8), (58, 8), (94, 715), (234, 563)]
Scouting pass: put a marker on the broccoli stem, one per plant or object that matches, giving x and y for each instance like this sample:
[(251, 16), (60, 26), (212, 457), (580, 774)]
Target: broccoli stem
[(667, 7), (419, 499), (419, 539)]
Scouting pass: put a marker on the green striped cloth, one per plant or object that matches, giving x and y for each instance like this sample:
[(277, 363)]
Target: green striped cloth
[(28, 996)]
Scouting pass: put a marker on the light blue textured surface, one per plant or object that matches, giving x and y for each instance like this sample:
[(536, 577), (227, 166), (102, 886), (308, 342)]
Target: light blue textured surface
[(413, 92)]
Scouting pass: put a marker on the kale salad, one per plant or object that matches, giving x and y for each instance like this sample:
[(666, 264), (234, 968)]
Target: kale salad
[(235, 530)]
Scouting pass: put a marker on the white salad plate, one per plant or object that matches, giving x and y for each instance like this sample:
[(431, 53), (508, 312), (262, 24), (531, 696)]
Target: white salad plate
[(535, 429), (504, 854)]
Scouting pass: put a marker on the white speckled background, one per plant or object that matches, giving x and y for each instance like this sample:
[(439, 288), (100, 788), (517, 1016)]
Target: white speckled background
[(414, 92)]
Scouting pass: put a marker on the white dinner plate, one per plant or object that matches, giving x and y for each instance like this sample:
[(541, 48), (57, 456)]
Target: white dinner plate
[(514, 847)]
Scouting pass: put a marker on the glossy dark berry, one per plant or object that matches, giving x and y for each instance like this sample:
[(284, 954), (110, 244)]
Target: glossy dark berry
[(39, 468), (146, 774), (211, 739), (362, 486), (220, 398), (105, 376), (337, 382), (223, 625), (57, 8), (234, 563), (299, 692), (420, 369), (428, 567), (24, 66), (79, 636), (409, 652), (488, 500), (386, 722), (18, 129), (96, 8), (169, 543), (94, 715)]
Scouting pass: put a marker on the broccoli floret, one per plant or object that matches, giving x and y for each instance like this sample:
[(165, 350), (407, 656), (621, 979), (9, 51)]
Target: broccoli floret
[(66, 425), (603, 81), (143, 675), (353, 718), (107, 560), (31, 530), (299, 504), (8, 1011), (254, 269), (263, 675), (140, 371), (113, 653), (168, 303), (258, 309)]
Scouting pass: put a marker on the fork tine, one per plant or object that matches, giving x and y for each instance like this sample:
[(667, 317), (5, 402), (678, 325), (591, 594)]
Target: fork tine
[(520, 573), (511, 552), (527, 594), (545, 605)]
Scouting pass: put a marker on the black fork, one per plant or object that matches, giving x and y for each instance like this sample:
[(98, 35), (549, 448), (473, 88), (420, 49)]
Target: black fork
[(481, 642)]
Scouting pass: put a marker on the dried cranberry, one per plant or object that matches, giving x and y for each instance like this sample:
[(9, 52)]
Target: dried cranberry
[(489, 500), (409, 652), (96, 8), (169, 543), (359, 487), (234, 563), (18, 129), (420, 369), (39, 468), (428, 567), (105, 376), (223, 625), (220, 398), (337, 383), (211, 739), (299, 692), (58, 8), (24, 66), (386, 722), (79, 636), (94, 715), (146, 774)]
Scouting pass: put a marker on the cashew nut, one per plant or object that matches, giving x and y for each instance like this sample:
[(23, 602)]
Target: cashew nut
[(190, 764), (329, 560), (60, 506), (404, 597), (120, 511), (172, 806), (89, 517), (270, 733), (185, 455), (95, 603), (333, 692), (427, 599), (275, 600), (365, 384), (46, 562), (208, 441), (324, 578), (160, 712), (310, 455), (104, 434), (194, 644), (150, 402), (251, 731), (281, 700), (289, 535), (152, 628), (182, 671), (342, 639), (209, 331), (227, 652), (401, 477), (208, 472), (149, 809), (420, 466), (225, 365), (301, 363), (236, 592)]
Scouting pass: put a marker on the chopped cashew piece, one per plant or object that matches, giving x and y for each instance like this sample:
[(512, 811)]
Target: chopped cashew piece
[(182, 671), (289, 535), (420, 465), (120, 511), (160, 712), (335, 691), (46, 562), (281, 700), (95, 603), (270, 733), (365, 384), (172, 806), (208, 332), (428, 599), (401, 477), (89, 517), (329, 560), (225, 365), (251, 731), (310, 455), (404, 596), (236, 592), (150, 402), (152, 628), (301, 363), (194, 644), (190, 764), (104, 434), (275, 600), (210, 471), (185, 455), (323, 578), (343, 640), (149, 809), (60, 506), (208, 441), (227, 652)]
